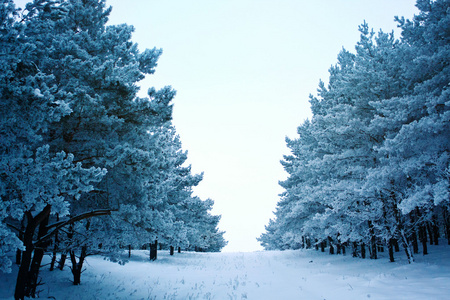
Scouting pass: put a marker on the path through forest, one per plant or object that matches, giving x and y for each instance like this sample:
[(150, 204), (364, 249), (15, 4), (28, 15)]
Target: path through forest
[(256, 275)]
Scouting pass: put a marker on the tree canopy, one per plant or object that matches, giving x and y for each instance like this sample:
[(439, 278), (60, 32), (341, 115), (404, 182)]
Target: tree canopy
[(76, 138), (372, 164)]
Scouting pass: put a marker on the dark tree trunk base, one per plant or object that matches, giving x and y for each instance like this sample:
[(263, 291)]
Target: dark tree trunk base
[(27, 277), (414, 242), (423, 239), (373, 246), (77, 267), (18, 257), (435, 230), (53, 262), (154, 250), (62, 261), (391, 250), (430, 233), (354, 249), (396, 246)]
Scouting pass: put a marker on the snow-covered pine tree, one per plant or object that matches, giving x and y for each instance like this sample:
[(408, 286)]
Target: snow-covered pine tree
[(373, 162), (97, 68), (298, 204), (35, 181), (336, 148), (173, 216), (202, 227), (69, 87), (358, 83), (415, 163), (9, 157), (76, 53)]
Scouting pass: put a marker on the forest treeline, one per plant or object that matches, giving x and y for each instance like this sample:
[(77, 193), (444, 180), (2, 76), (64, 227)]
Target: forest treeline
[(87, 166), (370, 170)]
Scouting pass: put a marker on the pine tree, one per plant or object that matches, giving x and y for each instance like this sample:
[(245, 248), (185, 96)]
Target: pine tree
[(35, 181), (372, 163), (415, 152), (77, 137)]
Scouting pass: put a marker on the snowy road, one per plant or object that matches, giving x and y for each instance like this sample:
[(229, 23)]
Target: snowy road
[(256, 275)]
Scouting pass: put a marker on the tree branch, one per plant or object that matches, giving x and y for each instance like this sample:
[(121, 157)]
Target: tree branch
[(58, 225), (15, 228)]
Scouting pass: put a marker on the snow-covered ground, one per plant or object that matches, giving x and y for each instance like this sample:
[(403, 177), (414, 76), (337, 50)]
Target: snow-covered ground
[(302, 274)]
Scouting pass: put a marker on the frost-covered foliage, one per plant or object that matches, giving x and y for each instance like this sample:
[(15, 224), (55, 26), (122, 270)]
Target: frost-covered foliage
[(31, 175), (372, 165), (75, 138)]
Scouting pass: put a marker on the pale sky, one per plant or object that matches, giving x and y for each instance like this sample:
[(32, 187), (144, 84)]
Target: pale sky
[(243, 70)]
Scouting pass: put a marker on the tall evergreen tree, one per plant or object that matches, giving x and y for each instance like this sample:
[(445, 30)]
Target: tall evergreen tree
[(372, 164), (77, 138)]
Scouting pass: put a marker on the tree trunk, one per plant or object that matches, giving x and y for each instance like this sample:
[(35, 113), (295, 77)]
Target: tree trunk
[(33, 272), (63, 258), (435, 230), (406, 247), (391, 249), (373, 241), (29, 266), (422, 234), (331, 245), (77, 266), (396, 246), (172, 249), (55, 248), (22, 276), (308, 243), (343, 248), (363, 250), (129, 251), (153, 250), (423, 239), (373, 246), (322, 246), (446, 217), (400, 231), (179, 249), (38, 255), (355, 249), (414, 242), (430, 233), (338, 248), (53, 261), (18, 256), (21, 233), (62, 261)]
